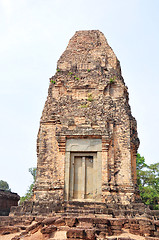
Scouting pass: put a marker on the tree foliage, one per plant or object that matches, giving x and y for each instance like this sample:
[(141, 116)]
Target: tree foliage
[(148, 181), (4, 185), (33, 173), (29, 192)]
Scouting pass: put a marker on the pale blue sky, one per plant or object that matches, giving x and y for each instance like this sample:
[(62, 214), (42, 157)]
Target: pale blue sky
[(33, 35)]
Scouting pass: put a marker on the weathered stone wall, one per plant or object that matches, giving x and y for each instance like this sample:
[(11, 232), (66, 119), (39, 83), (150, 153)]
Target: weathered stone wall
[(78, 227), (88, 99), (7, 199)]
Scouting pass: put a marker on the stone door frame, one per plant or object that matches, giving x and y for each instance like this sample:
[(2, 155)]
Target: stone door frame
[(84, 147), (83, 155)]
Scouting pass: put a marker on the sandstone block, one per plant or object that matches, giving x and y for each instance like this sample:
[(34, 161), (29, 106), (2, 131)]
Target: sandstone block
[(70, 222), (49, 221), (90, 234), (76, 233), (33, 226), (59, 222), (48, 229)]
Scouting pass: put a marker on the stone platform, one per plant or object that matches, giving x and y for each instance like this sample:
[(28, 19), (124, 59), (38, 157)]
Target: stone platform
[(76, 208), (80, 220), (81, 227)]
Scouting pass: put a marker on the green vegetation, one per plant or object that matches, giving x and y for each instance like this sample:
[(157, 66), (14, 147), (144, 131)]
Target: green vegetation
[(53, 81), (112, 80), (90, 98), (58, 70), (88, 70), (148, 182), (70, 73), (84, 106), (77, 78), (29, 192), (4, 186)]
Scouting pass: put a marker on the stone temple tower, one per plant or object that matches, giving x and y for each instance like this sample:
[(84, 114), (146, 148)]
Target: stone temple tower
[(86, 147), (87, 140)]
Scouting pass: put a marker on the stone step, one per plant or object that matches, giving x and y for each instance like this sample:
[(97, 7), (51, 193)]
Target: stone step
[(71, 214), (87, 210), (86, 207), (80, 210)]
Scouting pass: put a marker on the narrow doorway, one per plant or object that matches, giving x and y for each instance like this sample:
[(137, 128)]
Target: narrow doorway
[(82, 176)]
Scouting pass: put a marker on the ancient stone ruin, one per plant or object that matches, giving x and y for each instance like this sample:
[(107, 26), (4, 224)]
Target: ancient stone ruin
[(7, 199), (86, 147), (87, 141)]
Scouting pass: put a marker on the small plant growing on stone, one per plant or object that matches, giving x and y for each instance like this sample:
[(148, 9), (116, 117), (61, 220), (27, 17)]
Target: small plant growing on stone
[(90, 98), (112, 80), (88, 70), (53, 81), (84, 106), (58, 70), (76, 77), (70, 73)]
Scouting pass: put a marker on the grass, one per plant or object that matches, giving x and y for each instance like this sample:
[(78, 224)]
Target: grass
[(53, 81)]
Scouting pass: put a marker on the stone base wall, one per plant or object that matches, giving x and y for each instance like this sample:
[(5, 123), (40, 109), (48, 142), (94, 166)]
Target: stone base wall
[(51, 208), (7, 199), (47, 195)]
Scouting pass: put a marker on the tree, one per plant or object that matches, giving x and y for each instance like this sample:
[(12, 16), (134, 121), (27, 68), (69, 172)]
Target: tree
[(33, 173), (4, 185), (29, 192), (148, 181)]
